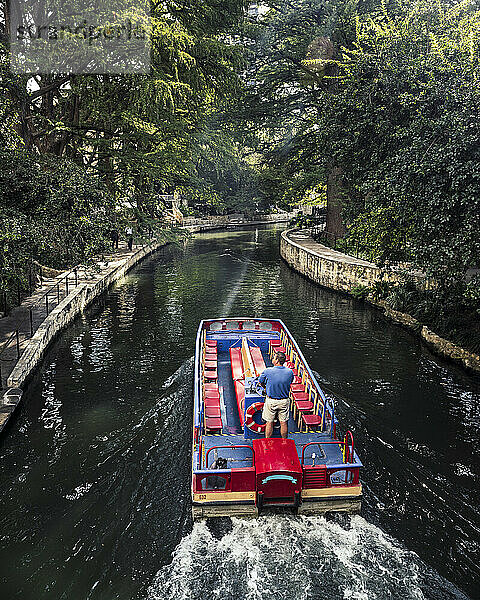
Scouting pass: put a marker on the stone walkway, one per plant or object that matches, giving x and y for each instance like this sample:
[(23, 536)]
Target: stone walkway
[(19, 317), (303, 238)]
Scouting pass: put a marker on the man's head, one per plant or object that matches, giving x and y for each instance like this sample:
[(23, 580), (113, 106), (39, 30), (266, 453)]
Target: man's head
[(279, 358)]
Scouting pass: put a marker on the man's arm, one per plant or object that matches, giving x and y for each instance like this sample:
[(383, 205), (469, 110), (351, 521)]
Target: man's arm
[(262, 380)]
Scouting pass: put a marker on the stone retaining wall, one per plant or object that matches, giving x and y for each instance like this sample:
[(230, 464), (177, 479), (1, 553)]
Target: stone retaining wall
[(67, 310), (330, 270), (326, 270)]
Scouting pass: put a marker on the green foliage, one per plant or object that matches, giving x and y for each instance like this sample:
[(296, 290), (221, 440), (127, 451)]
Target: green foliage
[(302, 221), (378, 235), (290, 64), (404, 297), (226, 178), (394, 104), (50, 211), (410, 161), (137, 132), (446, 313), (14, 249), (77, 147), (396, 107), (472, 293), (380, 290), (360, 292)]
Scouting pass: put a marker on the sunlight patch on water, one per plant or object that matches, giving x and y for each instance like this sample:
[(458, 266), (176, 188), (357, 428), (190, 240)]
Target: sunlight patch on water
[(227, 307)]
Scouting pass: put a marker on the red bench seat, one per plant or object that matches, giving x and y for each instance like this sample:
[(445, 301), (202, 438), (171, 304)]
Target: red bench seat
[(210, 387), (212, 403), (300, 396), (297, 387), (213, 424), (212, 412), (257, 358), (311, 421), (210, 374)]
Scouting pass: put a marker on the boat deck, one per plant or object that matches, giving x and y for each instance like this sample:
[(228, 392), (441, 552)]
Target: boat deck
[(232, 432), (330, 454)]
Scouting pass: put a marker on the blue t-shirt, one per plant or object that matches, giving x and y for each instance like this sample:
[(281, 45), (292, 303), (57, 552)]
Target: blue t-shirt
[(278, 380)]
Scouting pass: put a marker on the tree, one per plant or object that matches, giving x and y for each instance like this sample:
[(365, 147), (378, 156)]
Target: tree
[(77, 146), (293, 68), (389, 118)]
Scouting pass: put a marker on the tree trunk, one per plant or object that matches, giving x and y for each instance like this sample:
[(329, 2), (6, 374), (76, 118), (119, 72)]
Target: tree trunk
[(334, 203)]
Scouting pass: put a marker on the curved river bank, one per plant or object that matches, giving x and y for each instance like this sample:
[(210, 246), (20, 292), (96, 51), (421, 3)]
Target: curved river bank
[(95, 470)]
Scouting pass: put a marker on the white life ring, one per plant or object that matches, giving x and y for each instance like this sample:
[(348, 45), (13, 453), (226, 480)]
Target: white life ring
[(249, 421)]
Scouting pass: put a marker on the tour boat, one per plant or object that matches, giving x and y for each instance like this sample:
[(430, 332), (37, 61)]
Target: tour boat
[(236, 471)]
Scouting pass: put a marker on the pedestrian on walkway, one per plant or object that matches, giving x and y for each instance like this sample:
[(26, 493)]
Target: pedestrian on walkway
[(114, 237), (129, 234)]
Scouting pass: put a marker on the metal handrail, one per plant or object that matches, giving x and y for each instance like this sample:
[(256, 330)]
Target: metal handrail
[(234, 446), (57, 287), (325, 235), (330, 406), (339, 442), (14, 335), (7, 343), (349, 452)]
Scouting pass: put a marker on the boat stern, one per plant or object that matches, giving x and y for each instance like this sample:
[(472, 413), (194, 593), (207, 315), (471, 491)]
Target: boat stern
[(278, 473)]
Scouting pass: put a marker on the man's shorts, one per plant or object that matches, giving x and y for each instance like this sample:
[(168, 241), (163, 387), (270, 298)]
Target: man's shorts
[(273, 406)]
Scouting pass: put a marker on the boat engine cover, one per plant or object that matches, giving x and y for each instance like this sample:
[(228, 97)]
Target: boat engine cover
[(278, 469)]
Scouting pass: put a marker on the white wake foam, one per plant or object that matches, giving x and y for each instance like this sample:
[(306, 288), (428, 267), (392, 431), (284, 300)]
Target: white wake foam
[(279, 557)]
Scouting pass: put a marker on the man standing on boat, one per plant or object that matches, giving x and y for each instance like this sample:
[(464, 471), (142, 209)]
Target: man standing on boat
[(277, 381)]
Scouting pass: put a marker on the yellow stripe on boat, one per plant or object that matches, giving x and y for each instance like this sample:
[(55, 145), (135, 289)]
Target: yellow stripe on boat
[(223, 496), (332, 492)]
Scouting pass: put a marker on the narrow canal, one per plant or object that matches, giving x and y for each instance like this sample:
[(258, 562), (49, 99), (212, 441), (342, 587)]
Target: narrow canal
[(94, 473)]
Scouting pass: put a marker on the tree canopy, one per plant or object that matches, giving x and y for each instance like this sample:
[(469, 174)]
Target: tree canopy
[(378, 101), (78, 146), (371, 104)]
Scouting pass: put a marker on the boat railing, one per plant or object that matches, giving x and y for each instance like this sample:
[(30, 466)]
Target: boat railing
[(349, 448), (242, 324), (229, 447), (294, 352), (320, 444), (197, 377), (332, 475), (346, 448), (329, 407)]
